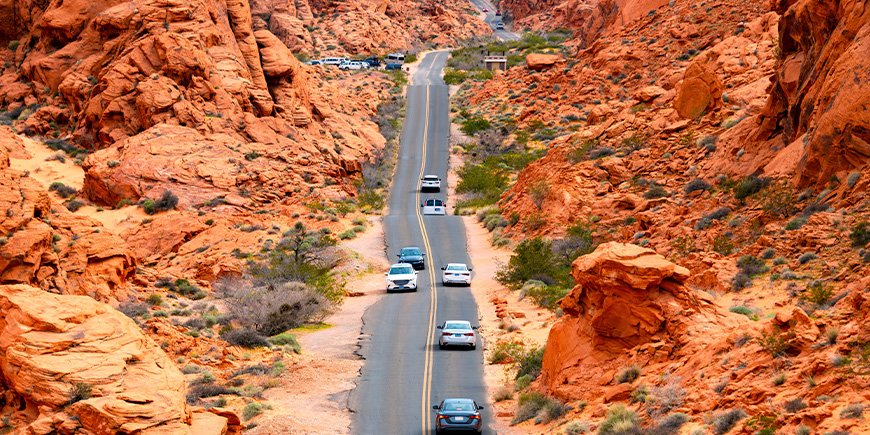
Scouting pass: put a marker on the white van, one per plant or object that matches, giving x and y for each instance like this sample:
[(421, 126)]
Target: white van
[(334, 60), (396, 57)]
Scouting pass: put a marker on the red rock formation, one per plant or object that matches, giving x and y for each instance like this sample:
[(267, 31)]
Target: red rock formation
[(51, 343), (627, 299), (540, 62)]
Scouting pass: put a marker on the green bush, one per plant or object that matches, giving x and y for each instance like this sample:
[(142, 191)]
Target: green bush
[(252, 410), (545, 296), (724, 421), (860, 234), (167, 201), (62, 189), (619, 421), (818, 293), (655, 191), (534, 404), (532, 259), (474, 124), (529, 363), (749, 186), (286, 339), (79, 391), (745, 311), (506, 351), (628, 374), (245, 337), (751, 266)]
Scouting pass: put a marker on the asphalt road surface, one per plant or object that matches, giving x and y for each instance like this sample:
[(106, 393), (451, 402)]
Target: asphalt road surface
[(492, 18), (405, 373)]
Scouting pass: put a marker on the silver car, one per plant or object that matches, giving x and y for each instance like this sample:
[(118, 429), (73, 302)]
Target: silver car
[(456, 273), (457, 333), (430, 183)]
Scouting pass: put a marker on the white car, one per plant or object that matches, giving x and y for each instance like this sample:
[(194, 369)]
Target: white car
[(434, 206), (430, 183), (333, 60), (351, 65), (401, 276), (457, 333), (456, 273)]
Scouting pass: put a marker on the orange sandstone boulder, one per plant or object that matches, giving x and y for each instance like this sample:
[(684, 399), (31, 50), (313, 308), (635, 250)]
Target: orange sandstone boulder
[(50, 343), (540, 62), (701, 89)]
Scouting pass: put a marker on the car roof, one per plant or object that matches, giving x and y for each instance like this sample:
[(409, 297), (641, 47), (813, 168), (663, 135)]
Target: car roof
[(430, 176), (458, 399), (464, 322), (410, 247), (456, 264), (400, 265)]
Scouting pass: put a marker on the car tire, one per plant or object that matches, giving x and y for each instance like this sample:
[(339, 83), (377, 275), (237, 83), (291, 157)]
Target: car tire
[(473, 347), (441, 346)]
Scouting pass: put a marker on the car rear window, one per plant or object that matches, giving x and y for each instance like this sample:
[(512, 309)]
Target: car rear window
[(400, 270), (458, 405), (455, 267), (457, 325), (430, 178)]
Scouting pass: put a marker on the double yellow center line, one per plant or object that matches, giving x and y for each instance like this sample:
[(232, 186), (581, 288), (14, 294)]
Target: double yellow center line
[(425, 399)]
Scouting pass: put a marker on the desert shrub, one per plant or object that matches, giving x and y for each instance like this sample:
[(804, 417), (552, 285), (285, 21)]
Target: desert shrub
[(724, 421), (167, 201), (619, 421), (553, 410), (154, 299), (528, 406), (533, 259), (506, 351), (191, 369), (196, 392), (715, 215), (779, 199), (245, 337), (668, 425), (794, 405), (286, 339), (79, 391), (522, 382), (256, 370), (768, 253), (529, 363), (807, 257), (664, 398), (852, 179), (347, 235), (655, 191), (775, 341), (855, 410), (695, 185), (601, 152), (745, 311), (544, 296), (62, 189), (271, 309), (796, 223), (831, 336), (751, 265), (485, 181), (252, 410), (860, 234), (779, 379), (474, 124), (802, 430), (740, 281), (133, 309), (628, 374), (576, 428), (539, 192), (502, 394), (818, 293), (749, 186), (74, 204), (639, 395), (722, 244)]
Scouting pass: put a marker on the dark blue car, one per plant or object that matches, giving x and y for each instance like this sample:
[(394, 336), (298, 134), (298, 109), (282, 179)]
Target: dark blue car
[(458, 415), (412, 255), (393, 66)]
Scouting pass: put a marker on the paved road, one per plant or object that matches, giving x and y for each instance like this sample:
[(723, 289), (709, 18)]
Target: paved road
[(492, 18), (405, 373)]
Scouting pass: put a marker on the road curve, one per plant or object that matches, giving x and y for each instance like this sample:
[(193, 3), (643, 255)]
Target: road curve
[(492, 18), (404, 373)]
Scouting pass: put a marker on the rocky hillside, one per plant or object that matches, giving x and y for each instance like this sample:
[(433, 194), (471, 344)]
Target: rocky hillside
[(726, 138)]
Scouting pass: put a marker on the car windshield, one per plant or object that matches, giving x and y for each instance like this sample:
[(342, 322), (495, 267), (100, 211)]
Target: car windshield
[(456, 267), (457, 325), (410, 251), (401, 270), (458, 405)]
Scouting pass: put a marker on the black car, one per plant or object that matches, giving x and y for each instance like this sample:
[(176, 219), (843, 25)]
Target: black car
[(413, 256), (393, 66), (458, 415), (373, 62)]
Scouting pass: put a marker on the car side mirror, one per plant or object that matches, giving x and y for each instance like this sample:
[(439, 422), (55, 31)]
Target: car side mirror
[(436, 407), (479, 407), (440, 327), (416, 273), (422, 254), (421, 204), (443, 268), (475, 327), (470, 269)]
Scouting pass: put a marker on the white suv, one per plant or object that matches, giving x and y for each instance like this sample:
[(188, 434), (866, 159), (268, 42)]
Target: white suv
[(351, 64), (430, 183), (401, 276)]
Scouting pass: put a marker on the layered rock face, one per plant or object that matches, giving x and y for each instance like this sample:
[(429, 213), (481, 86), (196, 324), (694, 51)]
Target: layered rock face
[(74, 365), (815, 124), (628, 300)]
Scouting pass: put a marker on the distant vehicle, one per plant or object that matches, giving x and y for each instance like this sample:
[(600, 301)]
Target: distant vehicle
[(434, 206), (498, 13), (333, 60), (315, 62), (401, 276), (458, 415), (393, 66), (485, 10), (456, 273), (373, 62), (457, 333), (430, 183), (412, 255), (396, 57), (499, 26), (352, 65)]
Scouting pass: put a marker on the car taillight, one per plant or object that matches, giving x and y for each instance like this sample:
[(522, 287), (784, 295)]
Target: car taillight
[(445, 334), (465, 274), (474, 417), (469, 334)]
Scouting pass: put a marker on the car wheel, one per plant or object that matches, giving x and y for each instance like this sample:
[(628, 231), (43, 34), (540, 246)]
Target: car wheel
[(441, 346)]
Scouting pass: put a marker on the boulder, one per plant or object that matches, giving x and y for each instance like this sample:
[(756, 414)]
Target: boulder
[(700, 90), (540, 62)]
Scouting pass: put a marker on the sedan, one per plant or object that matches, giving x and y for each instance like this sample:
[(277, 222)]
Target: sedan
[(457, 333), (456, 273), (434, 206), (430, 183), (401, 277), (458, 415), (412, 255)]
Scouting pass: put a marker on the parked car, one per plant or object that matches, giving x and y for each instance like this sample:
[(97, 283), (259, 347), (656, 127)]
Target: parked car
[(456, 273), (315, 62), (434, 206), (498, 13), (373, 62), (499, 26), (458, 415), (393, 66), (430, 183), (333, 60), (396, 57), (457, 333), (412, 255), (352, 65), (401, 276)]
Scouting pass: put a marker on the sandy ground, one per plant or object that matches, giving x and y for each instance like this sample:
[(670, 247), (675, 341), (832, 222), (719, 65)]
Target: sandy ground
[(315, 388)]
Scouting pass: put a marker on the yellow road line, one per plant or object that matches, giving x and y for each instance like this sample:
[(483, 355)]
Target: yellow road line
[(425, 400)]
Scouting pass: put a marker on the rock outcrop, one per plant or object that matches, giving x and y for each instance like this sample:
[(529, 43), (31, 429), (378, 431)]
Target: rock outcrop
[(628, 300), (72, 364)]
